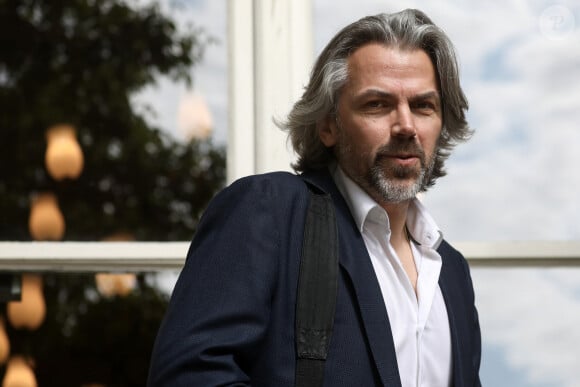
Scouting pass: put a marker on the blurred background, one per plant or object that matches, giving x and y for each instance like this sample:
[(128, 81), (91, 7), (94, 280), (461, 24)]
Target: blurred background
[(114, 122), (84, 157)]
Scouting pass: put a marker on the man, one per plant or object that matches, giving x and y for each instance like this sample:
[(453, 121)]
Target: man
[(377, 120)]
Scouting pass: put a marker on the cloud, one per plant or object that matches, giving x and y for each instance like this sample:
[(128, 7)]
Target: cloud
[(517, 179), (533, 318)]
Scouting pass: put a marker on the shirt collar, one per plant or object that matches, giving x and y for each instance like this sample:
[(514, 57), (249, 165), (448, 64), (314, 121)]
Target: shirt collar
[(420, 224)]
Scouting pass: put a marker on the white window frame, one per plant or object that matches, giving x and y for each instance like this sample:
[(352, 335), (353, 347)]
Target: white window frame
[(156, 256), (270, 52), (269, 43)]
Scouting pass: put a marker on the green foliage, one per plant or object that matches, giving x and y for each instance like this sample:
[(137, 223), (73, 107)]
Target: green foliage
[(80, 62)]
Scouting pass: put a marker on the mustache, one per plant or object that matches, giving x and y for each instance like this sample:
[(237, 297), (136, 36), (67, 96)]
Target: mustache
[(401, 148)]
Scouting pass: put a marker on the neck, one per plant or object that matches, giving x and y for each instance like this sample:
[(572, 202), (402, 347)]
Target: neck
[(399, 241), (397, 213)]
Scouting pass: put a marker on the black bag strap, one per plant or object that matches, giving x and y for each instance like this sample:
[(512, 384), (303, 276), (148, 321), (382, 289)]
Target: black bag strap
[(317, 289)]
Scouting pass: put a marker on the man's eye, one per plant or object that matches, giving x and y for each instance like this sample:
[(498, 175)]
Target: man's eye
[(374, 104), (425, 106)]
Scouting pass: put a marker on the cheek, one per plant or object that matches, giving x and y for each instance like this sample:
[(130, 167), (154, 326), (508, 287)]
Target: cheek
[(430, 144), (363, 145), (429, 139), (363, 137), (370, 136)]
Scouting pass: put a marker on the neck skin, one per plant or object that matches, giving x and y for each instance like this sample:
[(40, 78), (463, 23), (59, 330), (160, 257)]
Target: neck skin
[(397, 213)]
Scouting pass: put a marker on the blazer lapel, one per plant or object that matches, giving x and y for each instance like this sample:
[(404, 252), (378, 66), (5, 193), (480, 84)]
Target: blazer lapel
[(354, 259), (451, 292)]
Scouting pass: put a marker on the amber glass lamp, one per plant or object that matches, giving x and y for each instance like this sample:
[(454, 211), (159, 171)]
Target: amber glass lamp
[(116, 284), (19, 374), (46, 222), (64, 156), (4, 343), (30, 311)]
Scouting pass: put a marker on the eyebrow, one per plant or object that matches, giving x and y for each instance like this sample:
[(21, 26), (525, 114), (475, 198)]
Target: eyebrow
[(426, 95), (387, 95)]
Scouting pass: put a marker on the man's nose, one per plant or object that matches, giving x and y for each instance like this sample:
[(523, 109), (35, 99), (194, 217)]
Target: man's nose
[(404, 124)]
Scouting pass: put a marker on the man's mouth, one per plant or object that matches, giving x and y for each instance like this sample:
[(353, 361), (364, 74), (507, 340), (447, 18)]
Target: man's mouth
[(405, 156), (405, 159)]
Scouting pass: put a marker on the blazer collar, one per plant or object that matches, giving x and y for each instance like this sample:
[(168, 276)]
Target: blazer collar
[(354, 259)]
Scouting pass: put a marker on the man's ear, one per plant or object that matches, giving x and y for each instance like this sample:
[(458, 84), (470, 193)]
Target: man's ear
[(327, 130)]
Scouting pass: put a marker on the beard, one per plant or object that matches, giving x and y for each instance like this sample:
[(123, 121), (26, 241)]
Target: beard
[(385, 180), (395, 183)]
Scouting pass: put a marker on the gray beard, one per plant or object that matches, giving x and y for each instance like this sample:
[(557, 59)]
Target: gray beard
[(390, 190), (385, 185)]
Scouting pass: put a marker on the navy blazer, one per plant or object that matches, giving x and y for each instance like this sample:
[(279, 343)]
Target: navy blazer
[(230, 320)]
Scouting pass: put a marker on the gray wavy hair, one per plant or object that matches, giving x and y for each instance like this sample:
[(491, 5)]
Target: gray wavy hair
[(408, 29)]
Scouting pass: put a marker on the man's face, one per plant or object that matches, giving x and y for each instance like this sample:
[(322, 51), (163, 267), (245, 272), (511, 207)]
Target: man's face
[(388, 121)]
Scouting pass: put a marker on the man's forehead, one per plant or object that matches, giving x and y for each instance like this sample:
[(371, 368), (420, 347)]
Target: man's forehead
[(382, 67), (383, 55)]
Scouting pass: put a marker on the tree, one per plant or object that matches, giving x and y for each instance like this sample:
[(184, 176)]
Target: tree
[(90, 339), (79, 62)]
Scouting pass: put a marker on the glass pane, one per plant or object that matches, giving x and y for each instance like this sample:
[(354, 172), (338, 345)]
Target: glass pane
[(111, 130), (529, 320), (83, 329)]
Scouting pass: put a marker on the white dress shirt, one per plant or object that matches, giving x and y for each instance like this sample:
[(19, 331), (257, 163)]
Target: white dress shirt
[(419, 321)]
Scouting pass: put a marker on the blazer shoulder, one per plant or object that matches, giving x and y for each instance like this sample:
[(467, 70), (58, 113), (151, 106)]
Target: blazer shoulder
[(278, 181), (452, 255), (275, 193), (446, 249)]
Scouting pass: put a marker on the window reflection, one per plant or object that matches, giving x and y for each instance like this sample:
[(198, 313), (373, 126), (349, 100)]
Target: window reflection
[(90, 333)]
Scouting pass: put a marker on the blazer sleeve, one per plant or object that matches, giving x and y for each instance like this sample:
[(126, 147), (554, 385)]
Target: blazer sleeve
[(219, 309)]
